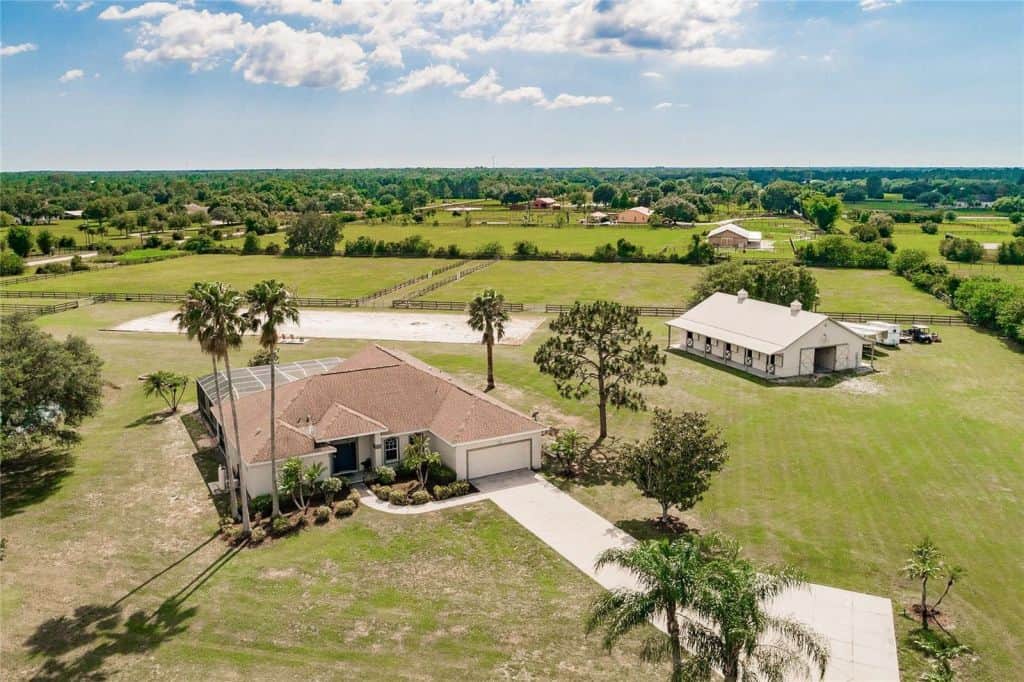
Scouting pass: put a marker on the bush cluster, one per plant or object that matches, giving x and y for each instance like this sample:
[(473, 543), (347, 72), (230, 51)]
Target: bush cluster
[(258, 535), (280, 526), (420, 497), (842, 252), (261, 504), (344, 508), (385, 475), (961, 249), (11, 264), (383, 492), (398, 498), (1011, 253), (322, 514)]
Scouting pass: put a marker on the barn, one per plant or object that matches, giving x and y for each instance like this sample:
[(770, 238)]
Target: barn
[(765, 339), (732, 236), (361, 413), (637, 214)]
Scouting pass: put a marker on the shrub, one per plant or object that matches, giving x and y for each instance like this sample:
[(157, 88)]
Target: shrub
[(385, 475), (525, 248), (66, 242), (908, 260), (11, 263), (77, 264), (330, 487), (491, 250), (398, 498), (459, 488), (568, 452), (383, 492), (322, 514), (961, 249), (44, 240), (20, 239), (177, 235), (53, 269), (439, 473), (151, 242), (261, 504), (258, 535), (280, 526), (344, 508), (929, 228), (865, 233), (354, 497), (225, 522), (442, 492), (1012, 253), (420, 497), (251, 245), (272, 249)]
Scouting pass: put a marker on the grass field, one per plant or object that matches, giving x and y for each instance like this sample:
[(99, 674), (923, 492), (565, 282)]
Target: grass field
[(666, 284), (331, 277), (109, 572), (838, 481)]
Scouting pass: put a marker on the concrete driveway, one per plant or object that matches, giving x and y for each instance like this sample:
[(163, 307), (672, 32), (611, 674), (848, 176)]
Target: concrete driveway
[(859, 627)]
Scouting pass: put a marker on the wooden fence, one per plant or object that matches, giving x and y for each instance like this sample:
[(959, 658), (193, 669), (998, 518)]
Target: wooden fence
[(447, 305), (901, 318), (380, 293), (643, 310), (5, 293), (453, 278), (40, 309), (8, 281)]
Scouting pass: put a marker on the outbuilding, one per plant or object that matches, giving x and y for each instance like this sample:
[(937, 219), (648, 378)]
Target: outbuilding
[(732, 236), (637, 214), (765, 339), (361, 413)]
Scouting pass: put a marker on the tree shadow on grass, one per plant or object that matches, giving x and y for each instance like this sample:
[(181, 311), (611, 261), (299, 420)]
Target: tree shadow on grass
[(81, 646), (651, 529), (152, 419), (32, 477), (599, 466)]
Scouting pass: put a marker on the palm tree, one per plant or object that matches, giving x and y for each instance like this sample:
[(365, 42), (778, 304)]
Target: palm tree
[(270, 306), (925, 562), (487, 314), (734, 634), (212, 314), (670, 574), (170, 386)]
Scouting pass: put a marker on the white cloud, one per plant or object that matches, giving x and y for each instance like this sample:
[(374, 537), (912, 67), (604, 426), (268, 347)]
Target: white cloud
[(71, 75), (11, 50), (564, 101), (82, 6), (719, 57), (653, 75), (661, 106), (528, 93), (451, 29), (197, 38), (277, 53), (872, 5), (487, 87), (441, 74), (149, 10)]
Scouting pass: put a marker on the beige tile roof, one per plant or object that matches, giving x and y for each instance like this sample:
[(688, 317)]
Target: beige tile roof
[(377, 390)]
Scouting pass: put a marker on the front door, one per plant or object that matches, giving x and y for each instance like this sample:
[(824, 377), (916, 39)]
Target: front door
[(344, 458)]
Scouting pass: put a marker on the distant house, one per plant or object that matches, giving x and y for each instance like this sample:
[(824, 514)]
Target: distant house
[(733, 236), (637, 214), (359, 413), (72, 214), (766, 339), (596, 217), (191, 208), (545, 203)]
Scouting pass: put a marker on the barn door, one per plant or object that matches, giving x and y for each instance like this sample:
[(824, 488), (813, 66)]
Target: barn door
[(806, 361), (843, 356)]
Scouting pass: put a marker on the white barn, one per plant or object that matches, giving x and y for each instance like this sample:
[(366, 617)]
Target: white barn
[(765, 339)]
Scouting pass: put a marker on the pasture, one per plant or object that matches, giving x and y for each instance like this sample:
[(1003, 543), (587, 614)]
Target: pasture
[(331, 277), (837, 481)]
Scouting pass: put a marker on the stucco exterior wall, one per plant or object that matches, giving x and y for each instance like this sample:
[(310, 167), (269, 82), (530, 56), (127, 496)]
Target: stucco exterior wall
[(258, 476)]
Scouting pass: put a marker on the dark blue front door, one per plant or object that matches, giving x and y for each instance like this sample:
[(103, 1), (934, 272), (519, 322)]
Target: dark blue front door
[(344, 458)]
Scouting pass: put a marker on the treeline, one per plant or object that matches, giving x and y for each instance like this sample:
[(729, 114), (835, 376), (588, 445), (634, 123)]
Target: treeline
[(989, 302)]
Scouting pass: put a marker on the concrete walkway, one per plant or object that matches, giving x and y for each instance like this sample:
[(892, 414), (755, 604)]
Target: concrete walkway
[(60, 259), (859, 627)]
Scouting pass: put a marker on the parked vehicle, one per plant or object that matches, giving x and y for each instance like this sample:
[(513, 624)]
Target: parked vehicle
[(922, 333)]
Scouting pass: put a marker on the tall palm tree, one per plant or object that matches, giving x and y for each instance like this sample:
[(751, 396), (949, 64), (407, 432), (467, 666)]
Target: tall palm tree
[(271, 305), (670, 574), (212, 314), (733, 632), (487, 314)]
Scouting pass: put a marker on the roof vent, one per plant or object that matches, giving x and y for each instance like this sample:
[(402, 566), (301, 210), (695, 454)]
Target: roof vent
[(795, 307), (741, 295)]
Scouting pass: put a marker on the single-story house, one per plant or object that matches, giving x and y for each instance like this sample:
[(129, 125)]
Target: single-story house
[(766, 339), (73, 214), (361, 413), (637, 214), (733, 236), (596, 217), (545, 202), (192, 208)]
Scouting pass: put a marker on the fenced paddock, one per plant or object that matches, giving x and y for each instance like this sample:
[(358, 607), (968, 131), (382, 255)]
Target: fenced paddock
[(35, 310)]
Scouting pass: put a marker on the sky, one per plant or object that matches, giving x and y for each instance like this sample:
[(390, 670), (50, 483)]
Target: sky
[(380, 83)]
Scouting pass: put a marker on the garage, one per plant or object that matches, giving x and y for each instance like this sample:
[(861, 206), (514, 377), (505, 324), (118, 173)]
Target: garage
[(495, 459)]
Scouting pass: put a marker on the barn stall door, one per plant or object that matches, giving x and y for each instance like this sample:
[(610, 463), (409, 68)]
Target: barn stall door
[(806, 361), (843, 356)]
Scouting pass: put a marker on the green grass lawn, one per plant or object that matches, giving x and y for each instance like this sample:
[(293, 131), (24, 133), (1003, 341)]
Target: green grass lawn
[(837, 481), (330, 277), (110, 568)]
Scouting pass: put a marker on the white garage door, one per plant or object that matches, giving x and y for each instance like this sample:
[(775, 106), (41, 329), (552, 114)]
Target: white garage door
[(495, 459)]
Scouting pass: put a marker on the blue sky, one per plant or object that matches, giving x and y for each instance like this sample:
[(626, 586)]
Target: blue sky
[(321, 83)]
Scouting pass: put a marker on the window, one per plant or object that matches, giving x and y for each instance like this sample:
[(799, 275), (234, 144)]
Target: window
[(390, 449), (777, 360)]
